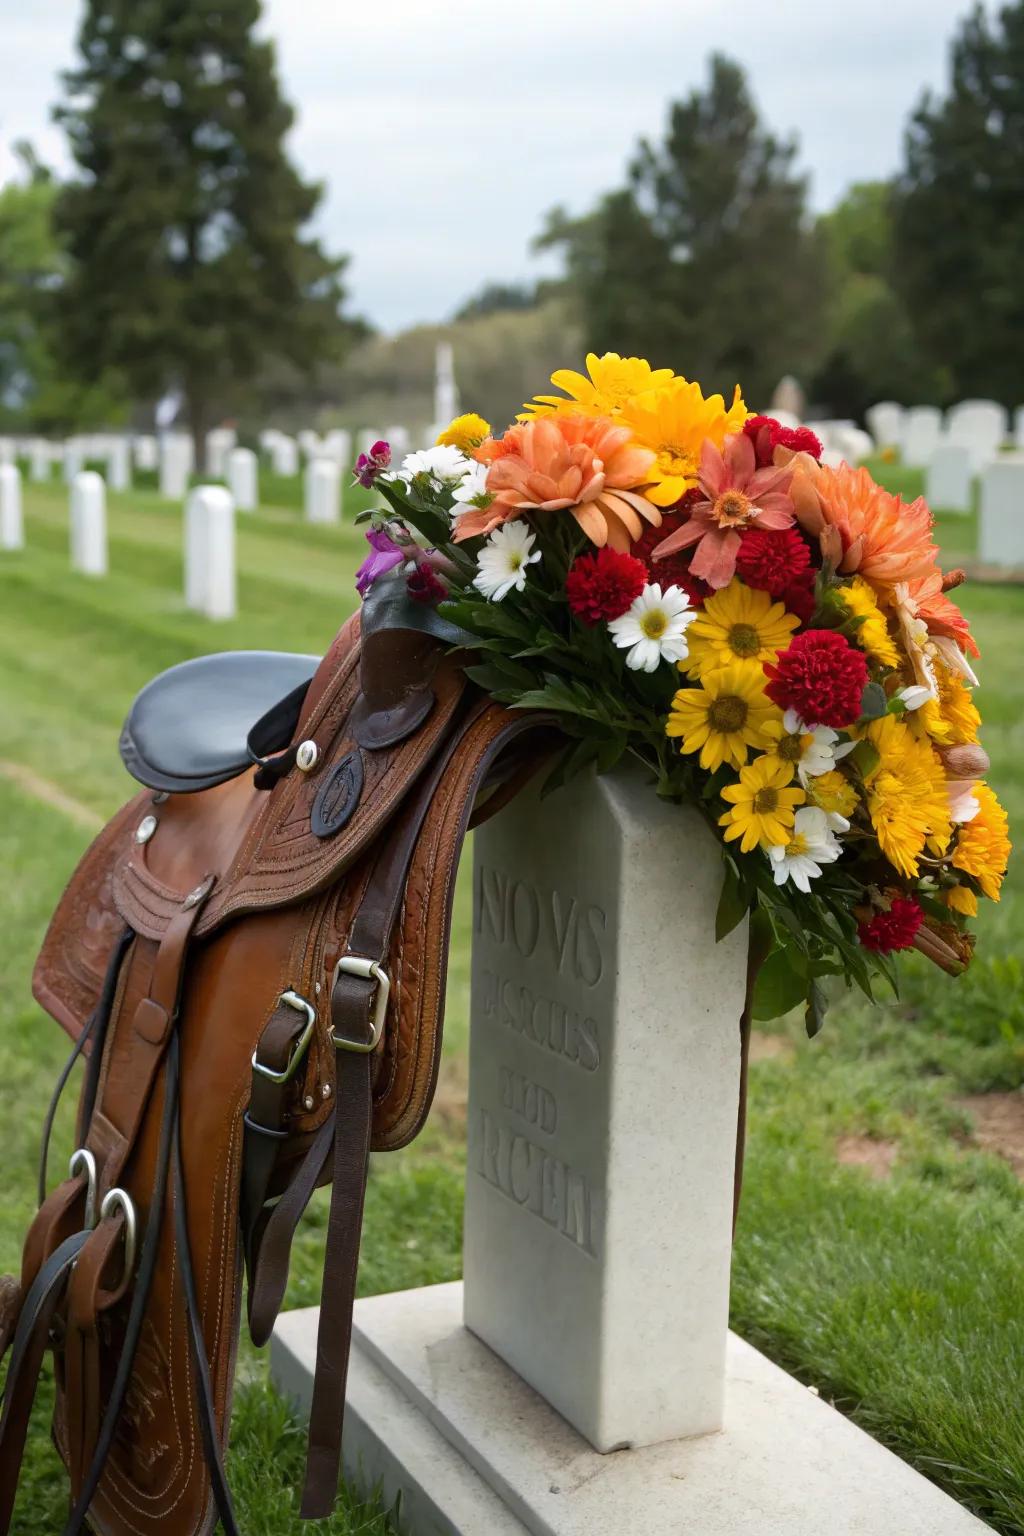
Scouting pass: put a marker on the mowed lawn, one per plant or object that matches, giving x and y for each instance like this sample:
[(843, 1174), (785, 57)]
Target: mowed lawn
[(879, 1248)]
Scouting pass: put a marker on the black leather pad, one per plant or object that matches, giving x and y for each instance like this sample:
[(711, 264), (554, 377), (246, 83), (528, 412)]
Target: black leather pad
[(189, 728)]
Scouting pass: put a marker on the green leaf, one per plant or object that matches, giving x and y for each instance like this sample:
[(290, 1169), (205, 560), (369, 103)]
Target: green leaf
[(817, 1007), (874, 702), (779, 987), (865, 757), (734, 902)]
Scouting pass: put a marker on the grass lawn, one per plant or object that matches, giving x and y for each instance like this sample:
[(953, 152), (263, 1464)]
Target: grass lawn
[(878, 1254)]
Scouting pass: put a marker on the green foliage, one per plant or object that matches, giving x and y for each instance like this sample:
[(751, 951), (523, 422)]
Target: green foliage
[(183, 228), (959, 229), (680, 265)]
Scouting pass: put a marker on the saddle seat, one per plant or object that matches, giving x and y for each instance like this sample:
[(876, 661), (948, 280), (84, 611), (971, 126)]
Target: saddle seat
[(205, 721)]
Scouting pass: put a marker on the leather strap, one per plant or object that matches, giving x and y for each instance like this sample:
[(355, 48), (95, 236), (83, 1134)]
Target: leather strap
[(264, 1121), (272, 1249), (30, 1341), (101, 1258)]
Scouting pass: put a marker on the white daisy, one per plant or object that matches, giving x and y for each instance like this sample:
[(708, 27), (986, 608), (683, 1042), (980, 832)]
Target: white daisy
[(653, 628), (820, 747), (443, 463), (812, 844), (914, 697), (471, 491), (501, 564)]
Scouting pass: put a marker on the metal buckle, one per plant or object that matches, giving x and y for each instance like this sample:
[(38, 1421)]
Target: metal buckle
[(369, 970), (301, 1005), (120, 1199), (83, 1161)]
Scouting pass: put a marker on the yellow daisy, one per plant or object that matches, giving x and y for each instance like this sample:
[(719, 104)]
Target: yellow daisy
[(833, 793), (738, 623), (724, 716), (674, 420), (610, 383), (983, 844), (762, 806), (858, 598), (465, 432), (959, 898), (906, 795), (951, 719)]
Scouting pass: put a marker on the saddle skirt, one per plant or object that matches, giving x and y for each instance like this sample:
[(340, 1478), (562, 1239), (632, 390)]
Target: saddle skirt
[(256, 976)]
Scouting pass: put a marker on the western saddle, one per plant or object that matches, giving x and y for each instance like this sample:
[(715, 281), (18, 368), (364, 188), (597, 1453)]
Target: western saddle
[(251, 960)]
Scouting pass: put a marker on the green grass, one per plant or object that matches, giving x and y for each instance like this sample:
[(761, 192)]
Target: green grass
[(902, 1300)]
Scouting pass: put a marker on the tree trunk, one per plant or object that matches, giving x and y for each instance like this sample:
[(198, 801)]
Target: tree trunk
[(196, 406)]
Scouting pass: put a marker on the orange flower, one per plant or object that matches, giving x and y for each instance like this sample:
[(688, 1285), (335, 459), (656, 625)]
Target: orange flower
[(927, 596), (567, 463), (860, 526)]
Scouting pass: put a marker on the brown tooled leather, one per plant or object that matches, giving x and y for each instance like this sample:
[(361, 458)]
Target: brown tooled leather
[(281, 904)]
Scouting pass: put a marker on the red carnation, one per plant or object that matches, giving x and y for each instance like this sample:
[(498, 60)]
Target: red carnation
[(767, 434), (675, 570), (800, 598), (423, 586), (821, 676), (895, 929), (772, 559), (602, 585)]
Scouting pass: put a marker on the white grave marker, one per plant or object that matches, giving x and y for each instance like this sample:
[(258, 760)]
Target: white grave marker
[(147, 456), (446, 392), (12, 526), (400, 439), (219, 444), (74, 458), (89, 524), (39, 460), (119, 466), (284, 455), (980, 427), (243, 479), (948, 481), (885, 423), (323, 491), (1001, 528), (922, 432), (210, 581), (175, 465)]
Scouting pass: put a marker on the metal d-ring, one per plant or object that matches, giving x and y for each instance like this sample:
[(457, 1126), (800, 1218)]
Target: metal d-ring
[(83, 1161), (119, 1199)]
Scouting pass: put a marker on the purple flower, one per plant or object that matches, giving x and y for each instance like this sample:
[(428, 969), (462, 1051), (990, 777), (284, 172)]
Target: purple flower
[(369, 465), (384, 555)]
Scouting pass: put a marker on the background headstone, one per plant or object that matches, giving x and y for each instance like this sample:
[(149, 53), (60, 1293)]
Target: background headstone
[(89, 524), (885, 423), (119, 468), (175, 465), (73, 459), (788, 397), (337, 445), (39, 460), (948, 480), (323, 491), (980, 427), (1001, 523), (12, 526), (210, 577), (147, 456), (243, 479), (219, 444), (284, 455), (922, 433), (400, 439), (446, 392)]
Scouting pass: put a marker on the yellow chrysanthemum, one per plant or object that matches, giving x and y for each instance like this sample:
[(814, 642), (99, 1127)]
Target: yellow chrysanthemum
[(610, 383), (675, 420), (858, 598), (465, 432), (983, 844), (952, 719), (762, 806), (738, 623), (724, 716), (833, 793), (906, 795), (960, 898)]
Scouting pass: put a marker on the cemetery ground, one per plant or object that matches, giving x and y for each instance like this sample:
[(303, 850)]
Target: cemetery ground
[(878, 1251)]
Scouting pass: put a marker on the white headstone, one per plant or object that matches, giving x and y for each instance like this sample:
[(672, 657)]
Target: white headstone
[(366, 437), (309, 442), (39, 460), (119, 468), (210, 584), (219, 444), (947, 486), (1001, 525), (74, 458), (89, 524), (146, 453), (323, 491), (922, 432), (400, 439), (885, 423), (1018, 426), (175, 465), (284, 455), (446, 393), (593, 1182), (12, 527), (243, 479), (980, 427), (7, 450)]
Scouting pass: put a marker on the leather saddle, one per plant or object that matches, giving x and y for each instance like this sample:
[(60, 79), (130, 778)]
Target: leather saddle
[(251, 957)]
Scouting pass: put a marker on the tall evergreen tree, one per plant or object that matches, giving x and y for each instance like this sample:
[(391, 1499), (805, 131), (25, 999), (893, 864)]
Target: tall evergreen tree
[(184, 229), (705, 260), (959, 213)]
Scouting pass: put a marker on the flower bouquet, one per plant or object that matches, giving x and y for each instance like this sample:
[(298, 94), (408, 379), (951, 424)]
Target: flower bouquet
[(684, 583)]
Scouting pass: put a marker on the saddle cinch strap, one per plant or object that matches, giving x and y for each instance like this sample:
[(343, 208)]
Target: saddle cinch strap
[(319, 957)]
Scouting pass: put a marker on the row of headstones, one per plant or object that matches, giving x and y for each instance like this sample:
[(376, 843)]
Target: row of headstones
[(980, 427)]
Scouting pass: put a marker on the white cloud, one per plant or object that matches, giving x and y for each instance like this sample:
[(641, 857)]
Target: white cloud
[(444, 134)]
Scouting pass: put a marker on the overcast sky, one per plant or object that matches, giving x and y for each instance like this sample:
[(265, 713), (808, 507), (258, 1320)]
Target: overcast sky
[(444, 132)]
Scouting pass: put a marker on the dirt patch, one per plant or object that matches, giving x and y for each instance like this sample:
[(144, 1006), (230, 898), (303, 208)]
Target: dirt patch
[(998, 1125), (875, 1157), (770, 1047), (52, 795)]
